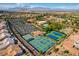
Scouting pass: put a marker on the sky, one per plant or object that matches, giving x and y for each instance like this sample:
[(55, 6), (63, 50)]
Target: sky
[(45, 5)]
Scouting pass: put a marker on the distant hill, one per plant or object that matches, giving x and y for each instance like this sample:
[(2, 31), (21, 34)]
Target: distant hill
[(23, 9), (39, 9)]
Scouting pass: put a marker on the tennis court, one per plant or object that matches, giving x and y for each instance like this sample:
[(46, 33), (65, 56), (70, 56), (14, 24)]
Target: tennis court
[(28, 37), (42, 43), (56, 35)]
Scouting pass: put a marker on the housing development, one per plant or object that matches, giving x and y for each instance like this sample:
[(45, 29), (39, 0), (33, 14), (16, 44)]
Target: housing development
[(39, 31)]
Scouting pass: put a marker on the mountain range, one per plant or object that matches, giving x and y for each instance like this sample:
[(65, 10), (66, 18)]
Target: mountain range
[(19, 9)]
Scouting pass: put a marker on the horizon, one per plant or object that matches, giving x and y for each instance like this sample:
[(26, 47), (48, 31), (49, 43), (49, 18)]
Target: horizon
[(73, 6)]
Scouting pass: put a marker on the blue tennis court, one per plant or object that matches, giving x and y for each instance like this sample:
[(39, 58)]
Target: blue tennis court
[(56, 35), (52, 36)]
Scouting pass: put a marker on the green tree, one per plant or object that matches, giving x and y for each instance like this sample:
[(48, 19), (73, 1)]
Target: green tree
[(56, 49), (55, 26), (66, 51), (39, 17)]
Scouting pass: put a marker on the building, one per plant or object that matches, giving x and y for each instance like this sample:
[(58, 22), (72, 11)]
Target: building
[(31, 20), (76, 44), (7, 46), (41, 22)]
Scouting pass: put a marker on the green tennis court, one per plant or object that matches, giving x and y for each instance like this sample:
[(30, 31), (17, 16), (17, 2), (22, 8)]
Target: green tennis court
[(42, 43), (56, 35)]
